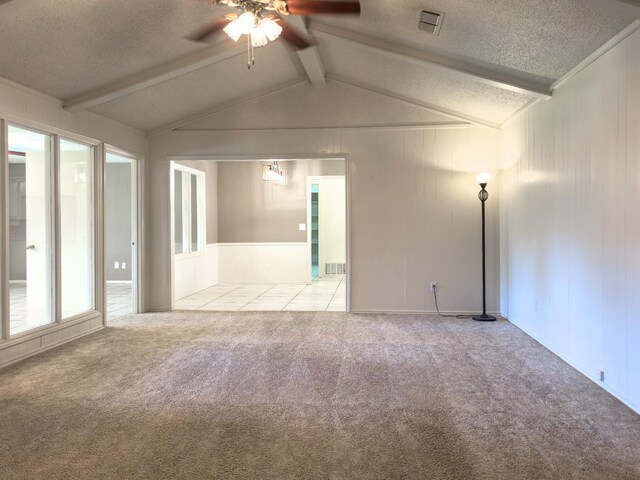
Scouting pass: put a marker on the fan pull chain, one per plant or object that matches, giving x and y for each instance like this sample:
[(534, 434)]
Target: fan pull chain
[(249, 51), (253, 57)]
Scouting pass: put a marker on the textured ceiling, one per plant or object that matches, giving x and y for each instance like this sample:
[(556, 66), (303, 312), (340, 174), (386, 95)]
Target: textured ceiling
[(68, 47), (202, 89), (545, 38), (425, 83), (360, 108)]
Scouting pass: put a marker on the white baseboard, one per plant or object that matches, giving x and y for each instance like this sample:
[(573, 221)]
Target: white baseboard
[(420, 312), (48, 338), (620, 396)]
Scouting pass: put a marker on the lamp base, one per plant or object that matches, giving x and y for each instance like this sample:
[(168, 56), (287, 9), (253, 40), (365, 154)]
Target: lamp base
[(484, 318)]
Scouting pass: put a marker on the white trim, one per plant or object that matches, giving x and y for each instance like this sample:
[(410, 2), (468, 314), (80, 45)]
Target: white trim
[(620, 37), (99, 189), (257, 244), (45, 127), (597, 54), (310, 56), (4, 233), (515, 115), (511, 82), (25, 89), (422, 312), (408, 126), (154, 76), (137, 228), (238, 102), (416, 103), (253, 158), (41, 336), (620, 396), (625, 8), (267, 157)]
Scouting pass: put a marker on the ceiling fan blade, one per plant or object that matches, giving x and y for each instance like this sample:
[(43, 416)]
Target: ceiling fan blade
[(319, 7), (292, 37), (205, 33)]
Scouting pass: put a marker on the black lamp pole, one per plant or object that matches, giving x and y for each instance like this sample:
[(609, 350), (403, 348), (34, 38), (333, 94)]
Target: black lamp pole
[(483, 195)]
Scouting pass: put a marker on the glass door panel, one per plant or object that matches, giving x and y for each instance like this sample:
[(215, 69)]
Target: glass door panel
[(30, 219), (121, 226), (76, 228)]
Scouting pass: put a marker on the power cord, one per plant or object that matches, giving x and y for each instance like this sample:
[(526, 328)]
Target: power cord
[(435, 299)]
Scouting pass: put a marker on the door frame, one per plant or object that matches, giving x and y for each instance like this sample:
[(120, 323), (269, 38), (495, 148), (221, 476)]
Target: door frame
[(311, 179), (261, 158), (137, 196)]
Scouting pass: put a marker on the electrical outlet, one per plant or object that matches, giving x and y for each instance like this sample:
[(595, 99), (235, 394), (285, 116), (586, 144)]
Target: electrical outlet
[(116, 265), (602, 375), (433, 286), (124, 265)]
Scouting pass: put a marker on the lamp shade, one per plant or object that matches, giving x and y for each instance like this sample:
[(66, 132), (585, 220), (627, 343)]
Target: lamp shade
[(483, 177)]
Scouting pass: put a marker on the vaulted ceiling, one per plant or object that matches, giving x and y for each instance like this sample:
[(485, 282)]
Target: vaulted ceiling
[(129, 60)]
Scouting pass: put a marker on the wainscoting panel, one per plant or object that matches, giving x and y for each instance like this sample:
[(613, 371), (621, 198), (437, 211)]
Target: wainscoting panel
[(571, 224)]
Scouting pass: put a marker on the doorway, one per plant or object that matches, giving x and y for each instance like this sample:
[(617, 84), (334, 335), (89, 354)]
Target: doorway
[(121, 231), (259, 222)]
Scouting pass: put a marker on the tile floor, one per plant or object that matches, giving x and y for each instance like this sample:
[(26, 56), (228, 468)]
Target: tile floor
[(18, 307), (324, 294), (119, 300), (119, 303)]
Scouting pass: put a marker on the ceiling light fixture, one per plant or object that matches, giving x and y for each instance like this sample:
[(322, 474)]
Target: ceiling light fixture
[(258, 20), (259, 30), (274, 173)]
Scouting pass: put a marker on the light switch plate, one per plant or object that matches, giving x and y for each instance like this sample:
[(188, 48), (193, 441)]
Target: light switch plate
[(302, 227)]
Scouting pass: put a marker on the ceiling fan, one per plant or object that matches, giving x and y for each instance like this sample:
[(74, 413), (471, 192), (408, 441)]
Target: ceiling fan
[(263, 21)]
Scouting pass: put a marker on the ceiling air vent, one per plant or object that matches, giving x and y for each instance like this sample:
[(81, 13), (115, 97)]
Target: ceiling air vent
[(430, 21)]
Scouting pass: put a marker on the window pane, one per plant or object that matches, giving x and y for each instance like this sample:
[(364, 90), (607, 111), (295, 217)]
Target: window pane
[(177, 210), (195, 225), (29, 230), (76, 228)]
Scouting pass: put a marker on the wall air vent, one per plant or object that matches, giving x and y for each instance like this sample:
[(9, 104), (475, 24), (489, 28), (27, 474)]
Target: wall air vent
[(430, 21), (335, 268)]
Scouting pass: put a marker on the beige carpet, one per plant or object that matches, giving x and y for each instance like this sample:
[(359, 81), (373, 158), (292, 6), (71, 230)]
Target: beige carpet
[(293, 395)]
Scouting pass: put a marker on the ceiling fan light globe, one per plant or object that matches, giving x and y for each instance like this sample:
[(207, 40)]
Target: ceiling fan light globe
[(243, 25), (258, 38), (269, 28)]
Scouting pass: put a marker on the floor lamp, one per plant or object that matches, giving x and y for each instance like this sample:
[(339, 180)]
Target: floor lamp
[(483, 195)]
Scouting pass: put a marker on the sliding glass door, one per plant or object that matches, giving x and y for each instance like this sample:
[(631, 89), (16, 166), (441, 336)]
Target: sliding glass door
[(77, 257), (51, 210), (30, 230)]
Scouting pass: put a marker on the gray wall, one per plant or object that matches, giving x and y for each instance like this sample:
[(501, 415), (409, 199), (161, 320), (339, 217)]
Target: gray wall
[(118, 220), (251, 210), (18, 232), (412, 198), (210, 169)]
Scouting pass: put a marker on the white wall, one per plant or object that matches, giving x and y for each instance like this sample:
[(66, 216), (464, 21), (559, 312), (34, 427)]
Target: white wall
[(196, 271), (332, 235), (23, 106), (570, 221), (263, 263), (241, 263), (415, 215)]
